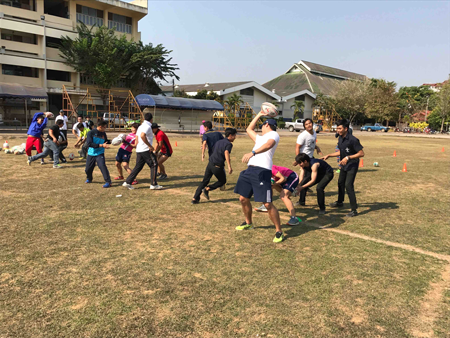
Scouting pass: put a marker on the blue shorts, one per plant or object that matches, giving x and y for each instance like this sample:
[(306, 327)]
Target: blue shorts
[(123, 156), (255, 181), (291, 182)]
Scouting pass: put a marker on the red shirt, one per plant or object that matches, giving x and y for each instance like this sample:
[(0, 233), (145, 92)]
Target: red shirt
[(166, 148)]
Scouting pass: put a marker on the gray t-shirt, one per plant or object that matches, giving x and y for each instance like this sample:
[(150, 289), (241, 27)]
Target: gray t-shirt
[(307, 143)]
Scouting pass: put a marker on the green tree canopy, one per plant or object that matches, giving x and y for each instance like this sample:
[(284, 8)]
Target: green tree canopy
[(350, 98), (298, 109), (443, 103), (382, 102)]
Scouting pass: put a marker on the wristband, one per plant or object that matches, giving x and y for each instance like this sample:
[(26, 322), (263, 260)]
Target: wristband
[(348, 158), (253, 152)]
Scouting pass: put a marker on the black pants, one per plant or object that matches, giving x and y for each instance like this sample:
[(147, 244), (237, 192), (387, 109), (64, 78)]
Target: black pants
[(100, 161), (141, 159), (321, 182), (306, 179), (346, 181), (211, 170)]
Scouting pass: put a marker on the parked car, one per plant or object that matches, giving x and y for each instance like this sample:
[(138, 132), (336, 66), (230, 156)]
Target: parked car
[(297, 125), (115, 119), (374, 127)]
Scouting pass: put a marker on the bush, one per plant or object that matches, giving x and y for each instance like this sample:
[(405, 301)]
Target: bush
[(280, 123)]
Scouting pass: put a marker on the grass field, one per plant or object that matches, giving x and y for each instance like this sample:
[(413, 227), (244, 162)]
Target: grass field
[(77, 261)]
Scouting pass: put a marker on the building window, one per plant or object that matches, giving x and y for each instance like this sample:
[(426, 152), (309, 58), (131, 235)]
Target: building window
[(247, 91), (89, 16), (19, 37), (57, 75), (52, 42), (57, 8), (24, 4), (300, 98), (120, 23), (20, 71), (280, 113)]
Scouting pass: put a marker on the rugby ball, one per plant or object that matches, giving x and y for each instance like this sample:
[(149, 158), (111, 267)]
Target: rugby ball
[(49, 115), (117, 140), (269, 109), (71, 156)]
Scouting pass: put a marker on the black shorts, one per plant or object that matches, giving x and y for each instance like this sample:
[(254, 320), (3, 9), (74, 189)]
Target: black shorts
[(291, 182), (255, 181), (123, 156), (166, 154)]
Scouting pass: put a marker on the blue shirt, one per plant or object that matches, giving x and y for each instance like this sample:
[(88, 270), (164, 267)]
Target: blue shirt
[(218, 155), (94, 139), (36, 129), (211, 137)]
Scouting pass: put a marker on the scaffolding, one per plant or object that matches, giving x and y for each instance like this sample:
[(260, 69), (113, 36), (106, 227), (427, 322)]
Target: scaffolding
[(238, 117), (326, 117)]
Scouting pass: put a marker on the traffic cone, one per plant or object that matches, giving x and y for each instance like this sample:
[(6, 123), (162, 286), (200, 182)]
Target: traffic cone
[(176, 144), (395, 153), (404, 168), (443, 149), (361, 163)]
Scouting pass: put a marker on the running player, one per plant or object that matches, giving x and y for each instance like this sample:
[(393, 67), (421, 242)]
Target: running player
[(284, 181), (51, 143), (165, 148), (124, 153), (256, 179), (210, 137), (319, 172), (216, 165)]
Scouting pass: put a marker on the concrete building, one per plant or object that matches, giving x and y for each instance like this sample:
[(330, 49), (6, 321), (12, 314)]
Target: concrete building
[(30, 32)]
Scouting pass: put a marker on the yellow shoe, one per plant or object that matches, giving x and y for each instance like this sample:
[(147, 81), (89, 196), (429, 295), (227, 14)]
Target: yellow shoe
[(244, 226), (279, 237)]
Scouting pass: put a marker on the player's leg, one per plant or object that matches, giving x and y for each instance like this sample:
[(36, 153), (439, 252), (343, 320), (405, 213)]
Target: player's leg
[(101, 162), (152, 162), (206, 178), (140, 162), (323, 182), (51, 146), (285, 196), (306, 179), (29, 146), (162, 168), (245, 190), (119, 170), (247, 210), (221, 178), (40, 155), (90, 165), (349, 187), (341, 189)]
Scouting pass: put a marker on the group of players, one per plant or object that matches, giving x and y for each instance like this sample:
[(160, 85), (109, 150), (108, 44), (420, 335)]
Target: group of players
[(259, 179)]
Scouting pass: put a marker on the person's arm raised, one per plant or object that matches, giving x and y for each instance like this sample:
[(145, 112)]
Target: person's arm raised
[(251, 127)]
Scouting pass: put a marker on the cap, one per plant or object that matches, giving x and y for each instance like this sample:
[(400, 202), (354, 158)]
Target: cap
[(272, 122), (203, 121), (155, 126)]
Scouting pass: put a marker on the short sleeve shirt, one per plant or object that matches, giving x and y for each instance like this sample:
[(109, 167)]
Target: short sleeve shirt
[(307, 143), (284, 171), (130, 139), (56, 132), (145, 127), (218, 155), (64, 119), (83, 134), (348, 146), (75, 127), (264, 160), (166, 148), (211, 137)]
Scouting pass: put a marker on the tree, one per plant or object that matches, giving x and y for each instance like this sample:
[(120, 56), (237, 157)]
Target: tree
[(234, 102), (350, 98), (180, 93), (412, 100), (443, 103), (213, 96), (298, 109), (382, 101)]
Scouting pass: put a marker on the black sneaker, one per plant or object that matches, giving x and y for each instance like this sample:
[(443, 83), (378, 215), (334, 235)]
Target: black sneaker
[(336, 204), (322, 212), (352, 213), (158, 174), (195, 202), (299, 204), (206, 194)]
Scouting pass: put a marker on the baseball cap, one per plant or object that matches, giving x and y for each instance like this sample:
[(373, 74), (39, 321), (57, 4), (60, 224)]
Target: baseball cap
[(272, 122)]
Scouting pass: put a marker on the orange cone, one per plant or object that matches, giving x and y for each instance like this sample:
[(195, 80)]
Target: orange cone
[(176, 144), (361, 163), (404, 168), (395, 153), (443, 149)]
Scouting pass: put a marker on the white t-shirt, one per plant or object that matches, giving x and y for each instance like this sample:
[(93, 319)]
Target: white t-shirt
[(307, 143), (65, 120), (146, 128), (76, 128), (264, 160)]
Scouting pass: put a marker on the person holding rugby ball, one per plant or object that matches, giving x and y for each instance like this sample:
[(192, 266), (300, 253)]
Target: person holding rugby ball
[(124, 153)]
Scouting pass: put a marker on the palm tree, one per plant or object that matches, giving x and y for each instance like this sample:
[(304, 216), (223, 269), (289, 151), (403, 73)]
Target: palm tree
[(298, 108), (234, 102)]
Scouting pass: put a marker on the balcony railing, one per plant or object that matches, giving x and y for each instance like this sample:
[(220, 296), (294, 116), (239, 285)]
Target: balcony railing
[(120, 27), (89, 20)]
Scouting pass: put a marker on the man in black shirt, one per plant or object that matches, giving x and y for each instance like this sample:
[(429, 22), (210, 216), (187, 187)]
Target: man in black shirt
[(216, 164), (51, 143), (319, 172), (350, 151), (210, 137)]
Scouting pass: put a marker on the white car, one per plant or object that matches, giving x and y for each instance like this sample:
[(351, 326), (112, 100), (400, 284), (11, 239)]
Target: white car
[(115, 119)]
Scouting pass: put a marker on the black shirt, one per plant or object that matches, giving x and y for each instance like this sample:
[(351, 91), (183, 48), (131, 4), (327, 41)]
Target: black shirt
[(211, 137), (324, 167), (90, 124), (348, 146), (218, 156), (56, 132)]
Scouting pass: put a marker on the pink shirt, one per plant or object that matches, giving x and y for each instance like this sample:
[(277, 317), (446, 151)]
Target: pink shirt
[(202, 129), (284, 171), (130, 139)]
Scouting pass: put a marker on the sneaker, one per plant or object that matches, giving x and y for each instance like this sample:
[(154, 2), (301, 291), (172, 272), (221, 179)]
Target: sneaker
[(80, 158), (88, 181), (352, 213), (223, 187), (63, 161), (262, 208), (338, 171), (163, 177), (195, 202), (244, 226), (57, 166), (322, 212), (206, 194), (158, 174), (29, 160), (107, 185), (118, 178), (299, 204), (336, 204), (129, 186), (278, 237), (135, 182), (294, 221), (156, 187), (42, 162)]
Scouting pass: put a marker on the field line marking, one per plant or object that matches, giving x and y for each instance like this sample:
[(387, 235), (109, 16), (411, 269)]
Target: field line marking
[(422, 325)]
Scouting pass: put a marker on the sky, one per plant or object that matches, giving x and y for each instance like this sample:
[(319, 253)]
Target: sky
[(226, 41)]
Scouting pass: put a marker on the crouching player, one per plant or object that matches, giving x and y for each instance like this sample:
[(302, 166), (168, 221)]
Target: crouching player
[(284, 181), (165, 148), (124, 154)]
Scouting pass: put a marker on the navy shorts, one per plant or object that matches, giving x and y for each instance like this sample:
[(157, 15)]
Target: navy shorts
[(255, 181), (123, 156), (291, 182)]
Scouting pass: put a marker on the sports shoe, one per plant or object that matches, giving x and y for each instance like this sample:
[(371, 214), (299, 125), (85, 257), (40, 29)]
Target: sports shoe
[(294, 221), (118, 178), (244, 226), (223, 187), (279, 237), (42, 161), (206, 193), (126, 185), (338, 171), (336, 204), (29, 160), (262, 208), (299, 204), (156, 187), (195, 202), (158, 174), (80, 158), (88, 181), (57, 166), (322, 212), (352, 213), (107, 185), (135, 182), (163, 177)]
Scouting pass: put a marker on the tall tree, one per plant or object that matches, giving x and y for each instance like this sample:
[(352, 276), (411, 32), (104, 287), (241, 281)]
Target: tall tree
[(234, 102), (443, 103), (382, 102), (298, 106), (350, 98), (412, 100)]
